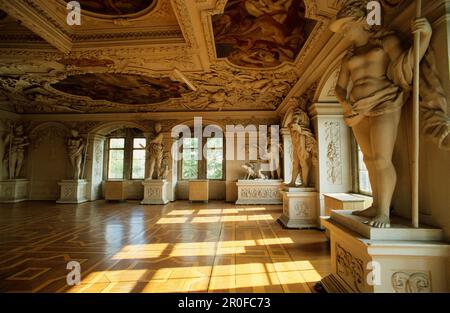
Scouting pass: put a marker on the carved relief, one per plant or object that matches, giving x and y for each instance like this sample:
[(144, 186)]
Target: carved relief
[(334, 156), (350, 268), (260, 193), (302, 210), (411, 282)]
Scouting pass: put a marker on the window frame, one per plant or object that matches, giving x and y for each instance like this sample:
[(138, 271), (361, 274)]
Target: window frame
[(132, 156), (202, 165), (128, 156), (108, 156)]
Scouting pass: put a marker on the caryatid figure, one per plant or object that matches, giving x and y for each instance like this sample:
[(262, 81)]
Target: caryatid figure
[(75, 148), (17, 151), (304, 148), (155, 150), (374, 83)]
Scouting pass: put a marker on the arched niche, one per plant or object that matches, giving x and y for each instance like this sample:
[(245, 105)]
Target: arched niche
[(96, 146), (47, 162)]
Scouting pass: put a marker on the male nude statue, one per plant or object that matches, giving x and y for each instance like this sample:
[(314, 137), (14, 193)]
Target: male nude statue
[(75, 148), (17, 153), (381, 72), (304, 148), (155, 151)]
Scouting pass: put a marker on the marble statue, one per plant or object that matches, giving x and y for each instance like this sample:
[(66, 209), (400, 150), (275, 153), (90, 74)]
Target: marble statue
[(17, 142), (304, 148), (252, 173), (373, 84), (75, 148), (155, 151), (164, 171)]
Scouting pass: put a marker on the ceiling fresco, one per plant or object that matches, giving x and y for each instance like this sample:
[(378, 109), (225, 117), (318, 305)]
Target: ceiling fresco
[(258, 59), (115, 7), (261, 33), (122, 88)]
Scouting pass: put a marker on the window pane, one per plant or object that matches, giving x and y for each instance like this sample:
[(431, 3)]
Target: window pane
[(139, 143), (214, 161), (138, 170), (115, 168), (190, 143), (190, 169), (190, 154), (363, 174), (214, 142), (115, 143)]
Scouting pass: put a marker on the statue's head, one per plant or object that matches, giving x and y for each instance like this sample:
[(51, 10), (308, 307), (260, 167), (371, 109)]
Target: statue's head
[(300, 118), (351, 20), (74, 132), (158, 127)]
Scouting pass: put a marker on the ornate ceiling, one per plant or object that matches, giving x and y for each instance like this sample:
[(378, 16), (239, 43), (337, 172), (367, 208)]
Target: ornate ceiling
[(141, 55), (115, 7), (261, 33)]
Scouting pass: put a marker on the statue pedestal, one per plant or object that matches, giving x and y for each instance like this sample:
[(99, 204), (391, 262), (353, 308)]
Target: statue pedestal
[(397, 259), (155, 191), (300, 208), (73, 191), (14, 190), (259, 191)]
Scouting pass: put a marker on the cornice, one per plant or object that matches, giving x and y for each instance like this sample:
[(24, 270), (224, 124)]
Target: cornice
[(147, 116)]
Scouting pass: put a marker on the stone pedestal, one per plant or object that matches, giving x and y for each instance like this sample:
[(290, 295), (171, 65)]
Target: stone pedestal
[(398, 259), (300, 208), (155, 191), (73, 191), (14, 190), (259, 191)]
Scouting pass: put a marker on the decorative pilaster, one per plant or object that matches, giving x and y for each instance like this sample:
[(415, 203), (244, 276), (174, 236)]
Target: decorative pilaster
[(94, 167), (172, 175), (287, 154), (334, 171)]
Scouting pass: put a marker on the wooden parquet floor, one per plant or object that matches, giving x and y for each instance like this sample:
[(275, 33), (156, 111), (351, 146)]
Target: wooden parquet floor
[(180, 247)]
